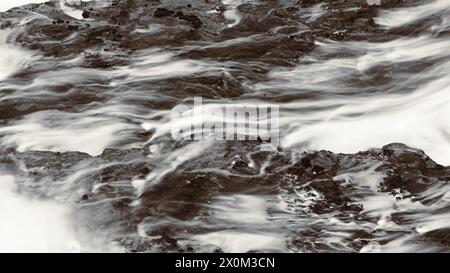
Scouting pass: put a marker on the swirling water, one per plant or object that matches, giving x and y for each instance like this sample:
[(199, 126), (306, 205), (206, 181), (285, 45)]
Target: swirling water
[(344, 96)]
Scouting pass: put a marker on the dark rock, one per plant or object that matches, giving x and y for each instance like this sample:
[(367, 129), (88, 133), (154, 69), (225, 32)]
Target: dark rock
[(183, 193), (73, 27), (163, 12), (86, 14), (192, 19), (439, 236)]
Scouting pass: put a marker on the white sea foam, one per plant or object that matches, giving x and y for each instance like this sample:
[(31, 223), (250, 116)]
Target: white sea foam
[(232, 14), (8, 4), (348, 118), (241, 242), (61, 131), (419, 119), (403, 16), (244, 209), (32, 225), (12, 58)]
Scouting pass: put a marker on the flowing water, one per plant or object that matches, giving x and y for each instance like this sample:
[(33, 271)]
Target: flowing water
[(88, 162)]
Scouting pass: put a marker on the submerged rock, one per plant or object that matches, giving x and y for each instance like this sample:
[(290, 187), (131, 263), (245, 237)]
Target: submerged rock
[(114, 26), (329, 181), (160, 199)]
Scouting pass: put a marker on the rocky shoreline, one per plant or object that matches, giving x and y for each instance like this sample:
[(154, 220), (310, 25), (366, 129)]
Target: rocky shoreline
[(183, 195), (284, 28)]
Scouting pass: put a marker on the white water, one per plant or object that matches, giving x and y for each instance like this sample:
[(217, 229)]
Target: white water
[(241, 242), (414, 110), (12, 59), (31, 225), (244, 212), (402, 16), (69, 10), (69, 7), (232, 14), (62, 131), (8, 4), (420, 119)]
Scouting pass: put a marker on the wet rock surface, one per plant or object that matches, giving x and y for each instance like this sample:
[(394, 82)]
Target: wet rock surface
[(148, 202), (281, 30), (185, 196), (108, 36)]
